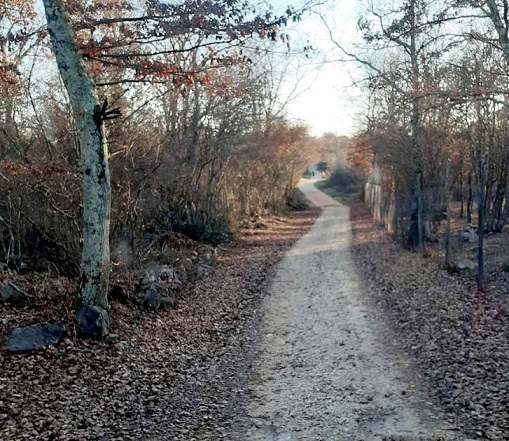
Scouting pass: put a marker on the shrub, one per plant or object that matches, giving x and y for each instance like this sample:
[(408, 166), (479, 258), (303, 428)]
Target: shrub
[(344, 180)]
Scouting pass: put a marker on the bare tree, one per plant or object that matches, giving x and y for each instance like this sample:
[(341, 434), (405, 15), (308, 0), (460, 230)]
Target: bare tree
[(89, 115)]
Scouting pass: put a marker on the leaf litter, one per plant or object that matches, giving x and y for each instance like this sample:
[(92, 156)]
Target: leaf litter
[(455, 336), (179, 375)]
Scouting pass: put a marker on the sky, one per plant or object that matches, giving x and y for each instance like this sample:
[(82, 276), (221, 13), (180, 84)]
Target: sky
[(325, 99), (328, 101)]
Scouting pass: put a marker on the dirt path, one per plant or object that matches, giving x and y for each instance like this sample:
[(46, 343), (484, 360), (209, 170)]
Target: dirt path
[(323, 373)]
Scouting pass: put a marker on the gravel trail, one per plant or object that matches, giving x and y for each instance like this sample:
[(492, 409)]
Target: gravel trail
[(323, 373)]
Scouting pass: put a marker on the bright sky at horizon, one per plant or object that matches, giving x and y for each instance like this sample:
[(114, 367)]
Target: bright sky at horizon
[(328, 101)]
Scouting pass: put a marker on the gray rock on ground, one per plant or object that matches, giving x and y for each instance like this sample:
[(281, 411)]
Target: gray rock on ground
[(166, 304), (468, 234), (201, 271), (163, 275), (155, 301), (206, 258), (465, 265), (186, 262), (11, 293), (23, 340), (167, 276), (157, 284), (93, 322), (181, 272), (152, 298)]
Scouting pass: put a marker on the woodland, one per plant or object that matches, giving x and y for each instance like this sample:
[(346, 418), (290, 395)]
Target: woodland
[(160, 118), (434, 149), (147, 164)]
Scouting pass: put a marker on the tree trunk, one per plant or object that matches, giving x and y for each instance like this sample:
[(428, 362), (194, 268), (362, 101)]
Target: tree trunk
[(7, 107), (470, 199), (448, 211), (496, 221), (480, 227), (462, 195), (95, 263), (488, 200), (416, 236)]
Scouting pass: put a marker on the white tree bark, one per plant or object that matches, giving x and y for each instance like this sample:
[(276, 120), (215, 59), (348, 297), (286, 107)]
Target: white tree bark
[(95, 263)]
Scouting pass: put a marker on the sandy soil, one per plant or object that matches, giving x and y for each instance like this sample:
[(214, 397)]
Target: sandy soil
[(324, 373)]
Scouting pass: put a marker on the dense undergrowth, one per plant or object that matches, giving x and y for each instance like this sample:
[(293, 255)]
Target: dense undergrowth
[(342, 184), (152, 195)]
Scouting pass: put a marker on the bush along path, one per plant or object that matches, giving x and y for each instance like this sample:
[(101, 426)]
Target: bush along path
[(323, 372), (176, 374)]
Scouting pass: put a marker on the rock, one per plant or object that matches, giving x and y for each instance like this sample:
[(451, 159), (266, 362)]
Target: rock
[(468, 234), (194, 255), (112, 338), (147, 280), (206, 258), (118, 294), (27, 339), (187, 263), (164, 272), (465, 265), (181, 272), (201, 271), (166, 303), (10, 293), (93, 322), (68, 342), (152, 299), (167, 276), (161, 275), (158, 282)]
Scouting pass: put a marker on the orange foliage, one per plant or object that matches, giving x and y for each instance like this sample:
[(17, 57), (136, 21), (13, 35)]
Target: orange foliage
[(361, 153), (14, 168)]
